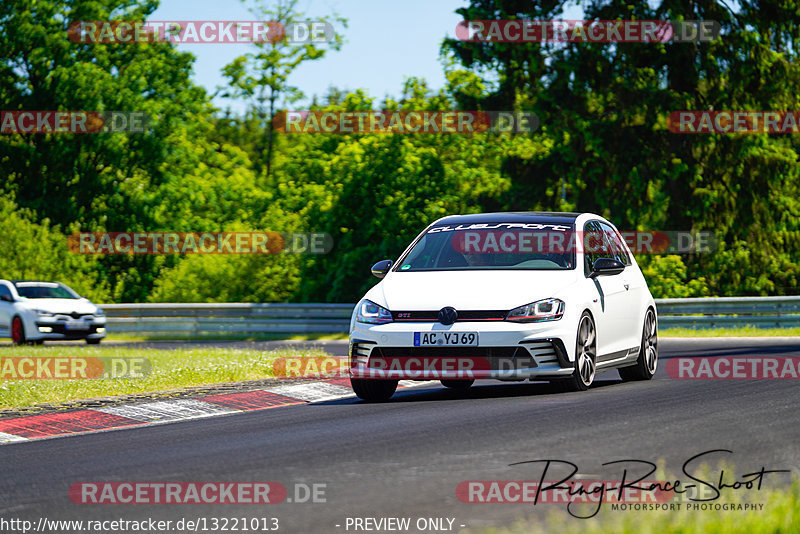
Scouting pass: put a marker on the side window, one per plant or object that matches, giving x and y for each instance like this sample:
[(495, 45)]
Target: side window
[(595, 245), (4, 291), (615, 244)]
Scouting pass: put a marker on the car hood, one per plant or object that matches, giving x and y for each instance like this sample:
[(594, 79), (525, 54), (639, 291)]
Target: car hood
[(60, 305), (468, 290)]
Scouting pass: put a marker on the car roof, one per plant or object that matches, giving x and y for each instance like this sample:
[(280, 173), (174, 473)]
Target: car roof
[(544, 217)]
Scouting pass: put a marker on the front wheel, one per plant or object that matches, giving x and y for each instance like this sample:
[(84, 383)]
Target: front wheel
[(647, 362), (585, 356), (17, 331), (94, 341), (373, 390)]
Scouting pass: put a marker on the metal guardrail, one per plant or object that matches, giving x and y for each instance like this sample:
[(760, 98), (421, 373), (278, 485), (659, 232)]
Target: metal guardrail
[(227, 319), (190, 320), (725, 312)]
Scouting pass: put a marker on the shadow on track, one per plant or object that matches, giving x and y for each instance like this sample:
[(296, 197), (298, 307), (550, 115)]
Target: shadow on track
[(488, 389)]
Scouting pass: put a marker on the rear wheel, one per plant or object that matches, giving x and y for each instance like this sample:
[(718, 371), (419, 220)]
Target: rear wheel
[(462, 384), (585, 356), (646, 364), (373, 390), (17, 331)]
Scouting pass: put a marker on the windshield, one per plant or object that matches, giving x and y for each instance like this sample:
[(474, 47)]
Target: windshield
[(45, 291), (492, 246)]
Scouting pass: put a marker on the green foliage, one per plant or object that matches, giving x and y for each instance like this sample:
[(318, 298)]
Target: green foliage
[(263, 76), (666, 277), (235, 278), (39, 251), (603, 146), (603, 112)]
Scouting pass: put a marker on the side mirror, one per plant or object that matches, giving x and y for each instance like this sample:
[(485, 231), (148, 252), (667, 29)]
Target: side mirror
[(606, 267), (381, 268), (6, 298)]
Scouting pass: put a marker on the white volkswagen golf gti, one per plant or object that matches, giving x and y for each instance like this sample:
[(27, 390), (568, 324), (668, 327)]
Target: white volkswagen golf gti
[(32, 311), (509, 296)]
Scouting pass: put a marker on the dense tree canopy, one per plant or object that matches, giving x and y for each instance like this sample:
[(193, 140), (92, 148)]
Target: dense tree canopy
[(603, 145)]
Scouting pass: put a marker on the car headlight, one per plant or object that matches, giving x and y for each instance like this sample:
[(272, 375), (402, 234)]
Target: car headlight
[(42, 313), (99, 312), (371, 313), (541, 310)]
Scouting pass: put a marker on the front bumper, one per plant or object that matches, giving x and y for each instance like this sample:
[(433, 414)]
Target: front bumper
[(55, 329), (505, 351)]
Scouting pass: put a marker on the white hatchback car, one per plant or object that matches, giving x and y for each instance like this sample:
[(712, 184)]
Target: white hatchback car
[(509, 296), (34, 311)]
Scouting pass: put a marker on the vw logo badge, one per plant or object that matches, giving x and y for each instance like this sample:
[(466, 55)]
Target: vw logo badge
[(448, 315)]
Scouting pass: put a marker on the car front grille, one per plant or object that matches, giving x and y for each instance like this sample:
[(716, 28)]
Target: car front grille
[(463, 315), (446, 352), (61, 328), (72, 315)]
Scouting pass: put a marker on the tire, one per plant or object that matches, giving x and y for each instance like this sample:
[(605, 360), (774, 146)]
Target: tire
[(585, 356), (37, 342), (462, 384), (94, 341), (17, 331), (373, 390), (647, 362)]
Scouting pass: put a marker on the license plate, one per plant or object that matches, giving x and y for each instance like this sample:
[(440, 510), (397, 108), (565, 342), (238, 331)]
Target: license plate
[(76, 325), (450, 339)]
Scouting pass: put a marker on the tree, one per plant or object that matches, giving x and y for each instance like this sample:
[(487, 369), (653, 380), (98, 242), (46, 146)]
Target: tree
[(172, 177), (603, 110), (263, 76)]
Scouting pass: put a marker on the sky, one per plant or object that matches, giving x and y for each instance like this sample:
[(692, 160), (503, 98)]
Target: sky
[(385, 42)]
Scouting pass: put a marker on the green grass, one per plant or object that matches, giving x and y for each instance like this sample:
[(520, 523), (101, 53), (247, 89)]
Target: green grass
[(170, 369), (181, 368), (745, 331), (779, 515)]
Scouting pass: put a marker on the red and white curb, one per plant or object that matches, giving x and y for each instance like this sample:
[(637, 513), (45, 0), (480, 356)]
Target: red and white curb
[(51, 425)]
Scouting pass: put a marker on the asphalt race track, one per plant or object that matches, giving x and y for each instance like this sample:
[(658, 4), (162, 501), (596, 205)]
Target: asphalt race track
[(406, 457)]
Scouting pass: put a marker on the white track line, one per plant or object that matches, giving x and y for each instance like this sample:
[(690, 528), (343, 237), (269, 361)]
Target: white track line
[(10, 438), (313, 392), (168, 411), (172, 410)]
